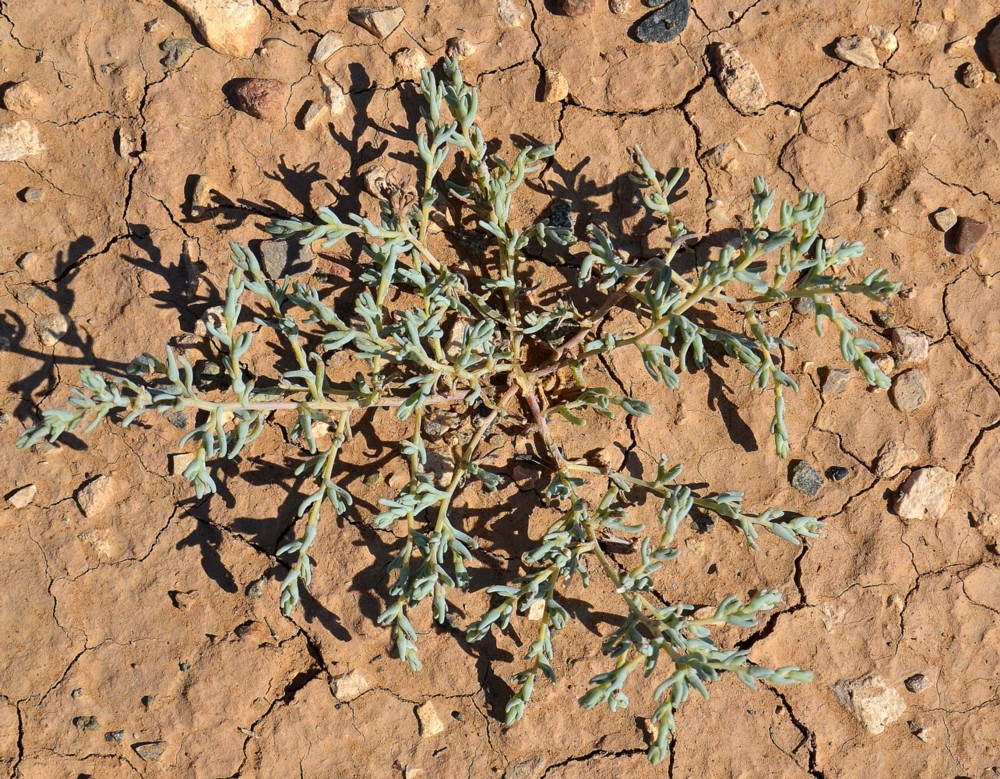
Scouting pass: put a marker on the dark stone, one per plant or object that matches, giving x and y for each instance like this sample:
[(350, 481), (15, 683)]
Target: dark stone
[(838, 472), (86, 723), (968, 234), (114, 736), (805, 306), (917, 683), (561, 215), (177, 51), (665, 23), (806, 479), (150, 751), (256, 589)]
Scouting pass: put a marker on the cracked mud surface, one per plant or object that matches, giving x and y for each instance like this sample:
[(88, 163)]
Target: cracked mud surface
[(143, 614)]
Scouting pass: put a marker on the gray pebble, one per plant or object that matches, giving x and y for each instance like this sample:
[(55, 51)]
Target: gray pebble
[(32, 195), (285, 258), (665, 23), (256, 588), (804, 306), (176, 52), (561, 215), (917, 683), (114, 736), (806, 479), (836, 381), (86, 723), (944, 219)]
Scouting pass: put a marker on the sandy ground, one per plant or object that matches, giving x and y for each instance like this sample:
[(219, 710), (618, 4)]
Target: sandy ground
[(149, 614)]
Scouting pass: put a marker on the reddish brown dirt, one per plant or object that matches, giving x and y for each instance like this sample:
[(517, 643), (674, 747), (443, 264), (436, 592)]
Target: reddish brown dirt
[(139, 615)]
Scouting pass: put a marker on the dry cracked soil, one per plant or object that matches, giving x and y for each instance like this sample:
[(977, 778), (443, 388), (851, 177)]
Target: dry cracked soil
[(141, 634)]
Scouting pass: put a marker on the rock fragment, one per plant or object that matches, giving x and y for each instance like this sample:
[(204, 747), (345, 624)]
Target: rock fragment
[(838, 472), (739, 80), (22, 496), (909, 346), (232, 27), (18, 140), (179, 462), (285, 258), (836, 381), (902, 137), (460, 48), (85, 723), (993, 49), (176, 52), (430, 722), (576, 7), (892, 458), (917, 683), (806, 479), (51, 329), (150, 751), (335, 98), (327, 46), (380, 22), (262, 98), (290, 7), (536, 610), (883, 39), (857, 50), (408, 63), (349, 686), (201, 196), (555, 87), (872, 701), (968, 234), (313, 112), (93, 496), (971, 75), (920, 731), (665, 23), (944, 219), (510, 13), (909, 390), (925, 32), (33, 195), (926, 494), (21, 98), (619, 6)]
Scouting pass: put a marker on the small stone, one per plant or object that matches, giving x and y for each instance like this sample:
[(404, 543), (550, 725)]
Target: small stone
[(51, 329), (883, 39), (532, 769), (536, 610), (201, 196), (619, 6), (872, 701), (93, 496), (18, 140), (180, 462), (510, 13), (430, 722), (183, 600), (739, 81), (838, 472), (718, 156), (114, 736), (884, 318), (76, 693), (89, 722), (971, 75), (124, 145), (327, 46), (414, 773), (334, 96), (349, 686), (150, 751), (176, 52), (22, 496), (944, 219), (884, 362), (576, 7), (561, 214), (917, 683), (806, 479), (285, 258), (185, 667), (903, 137), (262, 98), (32, 195), (231, 27), (313, 113), (380, 22), (925, 32), (926, 494), (665, 23), (290, 7), (409, 63), (963, 43), (866, 202), (804, 306), (21, 98), (255, 590), (857, 51), (460, 48), (892, 458), (968, 234), (555, 87), (909, 390), (909, 346), (836, 381), (374, 179), (919, 731)]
